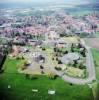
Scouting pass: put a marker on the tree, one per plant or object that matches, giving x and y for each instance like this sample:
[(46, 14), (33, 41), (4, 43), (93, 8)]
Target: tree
[(56, 59), (58, 68), (83, 53), (42, 72), (66, 52), (81, 66), (72, 47), (52, 58), (17, 58), (55, 49), (75, 63), (59, 62), (79, 45), (41, 67), (43, 49)]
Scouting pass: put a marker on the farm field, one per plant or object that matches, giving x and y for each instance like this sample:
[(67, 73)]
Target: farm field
[(92, 42)]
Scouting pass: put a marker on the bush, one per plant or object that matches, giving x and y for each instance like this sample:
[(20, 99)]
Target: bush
[(23, 58), (31, 76), (23, 67), (66, 52), (83, 53), (70, 64), (27, 76), (56, 59), (18, 58), (56, 55), (72, 50), (55, 49), (59, 62), (52, 58), (42, 72), (95, 62), (43, 49), (81, 66), (41, 67), (58, 68), (52, 76), (1, 71)]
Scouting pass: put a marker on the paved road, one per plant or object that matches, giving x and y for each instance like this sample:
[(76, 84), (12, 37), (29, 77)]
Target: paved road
[(90, 70)]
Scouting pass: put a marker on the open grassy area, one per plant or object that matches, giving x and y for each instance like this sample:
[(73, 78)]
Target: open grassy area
[(97, 34), (75, 72), (71, 39), (95, 53), (95, 85), (21, 87)]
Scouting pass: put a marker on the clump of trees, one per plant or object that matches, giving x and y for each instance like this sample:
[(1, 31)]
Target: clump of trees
[(59, 52), (20, 58), (77, 49)]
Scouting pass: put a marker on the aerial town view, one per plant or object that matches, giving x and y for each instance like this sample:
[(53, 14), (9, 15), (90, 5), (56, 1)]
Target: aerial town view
[(49, 50)]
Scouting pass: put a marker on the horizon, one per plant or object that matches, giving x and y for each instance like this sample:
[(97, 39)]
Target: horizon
[(31, 3), (72, 2)]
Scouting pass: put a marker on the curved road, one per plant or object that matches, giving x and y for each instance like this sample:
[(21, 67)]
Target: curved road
[(90, 70)]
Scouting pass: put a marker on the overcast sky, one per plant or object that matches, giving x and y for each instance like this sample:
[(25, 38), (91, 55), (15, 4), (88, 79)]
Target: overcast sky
[(46, 1)]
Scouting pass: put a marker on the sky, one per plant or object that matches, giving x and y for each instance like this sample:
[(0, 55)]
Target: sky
[(23, 3), (47, 1)]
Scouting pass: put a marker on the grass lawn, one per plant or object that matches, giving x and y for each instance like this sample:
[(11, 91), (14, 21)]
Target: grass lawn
[(71, 39), (95, 88), (21, 87), (75, 72), (97, 34), (95, 53)]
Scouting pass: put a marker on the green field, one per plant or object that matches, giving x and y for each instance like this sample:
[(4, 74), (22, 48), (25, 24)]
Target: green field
[(95, 53), (97, 34), (21, 87)]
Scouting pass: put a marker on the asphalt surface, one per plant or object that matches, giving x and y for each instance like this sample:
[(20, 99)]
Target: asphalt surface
[(90, 70)]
